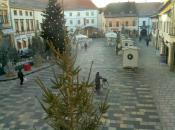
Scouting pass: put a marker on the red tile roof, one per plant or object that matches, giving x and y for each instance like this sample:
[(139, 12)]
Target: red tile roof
[(78, 4), (68, 4)]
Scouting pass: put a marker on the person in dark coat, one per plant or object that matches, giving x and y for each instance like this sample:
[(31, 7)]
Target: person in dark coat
[(97, 81), (85, 46), (21, 77), (147, 41)]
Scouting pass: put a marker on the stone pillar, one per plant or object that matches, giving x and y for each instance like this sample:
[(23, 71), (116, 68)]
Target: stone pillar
[(171, 56)]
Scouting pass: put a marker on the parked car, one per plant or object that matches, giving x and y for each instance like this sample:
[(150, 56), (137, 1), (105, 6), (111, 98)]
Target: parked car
[(26, 53)]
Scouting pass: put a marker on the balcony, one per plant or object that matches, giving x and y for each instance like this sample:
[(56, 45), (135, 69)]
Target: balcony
[(23, 32)]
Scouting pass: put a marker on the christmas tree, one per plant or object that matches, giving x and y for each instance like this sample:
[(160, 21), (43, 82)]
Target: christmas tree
[(53, 25), (69, 102)]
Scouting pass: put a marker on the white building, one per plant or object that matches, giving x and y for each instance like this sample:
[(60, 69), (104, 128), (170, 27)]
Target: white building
[(26, 21), (81, 18), (83, 15)]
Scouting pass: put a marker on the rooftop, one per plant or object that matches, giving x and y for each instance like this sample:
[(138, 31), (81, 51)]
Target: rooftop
[(148, 9), (42, 4), (120, 9), (78, 4), (29, 4)]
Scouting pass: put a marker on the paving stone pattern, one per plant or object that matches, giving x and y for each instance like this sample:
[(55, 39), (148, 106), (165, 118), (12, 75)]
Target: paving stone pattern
[(162, 84), (132, 104)]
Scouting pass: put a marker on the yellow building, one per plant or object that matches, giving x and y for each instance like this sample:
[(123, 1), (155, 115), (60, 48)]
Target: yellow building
[(121, 16), (166, 33)]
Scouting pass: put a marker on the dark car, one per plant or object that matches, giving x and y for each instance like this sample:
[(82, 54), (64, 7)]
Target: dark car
[(26, 53)]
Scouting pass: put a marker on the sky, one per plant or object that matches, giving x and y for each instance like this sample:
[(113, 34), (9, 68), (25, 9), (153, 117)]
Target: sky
[(102, 3)]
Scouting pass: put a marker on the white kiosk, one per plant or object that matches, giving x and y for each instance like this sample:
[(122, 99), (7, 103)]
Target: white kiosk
[(111, 38), (81, 40), (130, 57), (127, 43)]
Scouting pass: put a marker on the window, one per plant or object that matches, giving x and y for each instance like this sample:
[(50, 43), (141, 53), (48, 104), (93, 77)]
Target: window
[(16, 25), (29, 41), (78, 13), (37, 24), (79, 22), (22, 25), (71, 22), (126, 23), (71, 30), (92, 13), (144, 23), (110, 24), (30, 13), (26, 13), (134, 23), (31, 23), (87, 21), (15, 12), (92, 21), (27, 24), (19, 45), (3, 17), (70, 14), (117, 24), (24, 44), (20, 12), (164, 27), (87, 13)]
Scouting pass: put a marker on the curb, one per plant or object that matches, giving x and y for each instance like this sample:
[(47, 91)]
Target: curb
[(14, 78)]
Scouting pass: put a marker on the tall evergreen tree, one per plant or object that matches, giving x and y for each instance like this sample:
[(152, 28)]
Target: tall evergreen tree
[(53, 25), (69, 102)]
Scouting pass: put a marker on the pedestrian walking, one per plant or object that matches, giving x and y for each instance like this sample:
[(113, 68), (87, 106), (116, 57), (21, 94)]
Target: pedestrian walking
[(140, 38), (21, 77), (85, 46), (147, 41), (97, 82)]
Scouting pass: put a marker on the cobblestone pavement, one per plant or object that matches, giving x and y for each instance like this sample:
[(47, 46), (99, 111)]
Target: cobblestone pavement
[(162, 83), (132, 104)]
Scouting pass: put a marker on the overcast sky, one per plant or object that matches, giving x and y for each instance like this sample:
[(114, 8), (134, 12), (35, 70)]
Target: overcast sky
[(102, 3)]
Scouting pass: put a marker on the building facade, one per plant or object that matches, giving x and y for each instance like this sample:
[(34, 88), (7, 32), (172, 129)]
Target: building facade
[(81, 19), (145, 11), (83, 15), (26, 22), (166, 32), (119, 23), (155, 31), (6, 32), (121, 17)]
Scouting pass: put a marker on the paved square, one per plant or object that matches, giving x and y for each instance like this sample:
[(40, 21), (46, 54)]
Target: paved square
[(132, 104)]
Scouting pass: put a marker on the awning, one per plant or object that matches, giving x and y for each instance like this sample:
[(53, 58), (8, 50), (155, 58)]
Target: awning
[(24, 39), (166, 8), (7, 31), (19, 40)]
